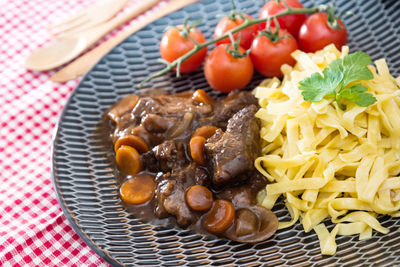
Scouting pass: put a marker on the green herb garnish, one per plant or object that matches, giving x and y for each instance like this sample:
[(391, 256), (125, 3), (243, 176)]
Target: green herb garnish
[(337, 77)]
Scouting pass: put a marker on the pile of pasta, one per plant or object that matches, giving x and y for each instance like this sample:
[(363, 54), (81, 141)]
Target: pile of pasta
[(328, 162)]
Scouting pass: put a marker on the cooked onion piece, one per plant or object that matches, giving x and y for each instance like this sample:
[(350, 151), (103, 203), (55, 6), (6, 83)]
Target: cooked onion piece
[(181, 126)]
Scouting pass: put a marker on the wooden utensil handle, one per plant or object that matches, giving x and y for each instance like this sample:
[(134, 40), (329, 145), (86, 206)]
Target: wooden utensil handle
[(141, 7), (170, 7), (84, 63)]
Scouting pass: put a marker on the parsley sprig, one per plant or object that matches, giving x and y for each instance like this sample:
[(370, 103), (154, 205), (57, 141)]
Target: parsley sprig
[(336, 81)]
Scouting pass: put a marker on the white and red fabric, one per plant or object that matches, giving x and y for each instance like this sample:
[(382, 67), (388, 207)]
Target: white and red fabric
[(33, 228)]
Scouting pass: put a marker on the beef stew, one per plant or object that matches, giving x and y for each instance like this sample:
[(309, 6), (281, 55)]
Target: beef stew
[(190, 157)]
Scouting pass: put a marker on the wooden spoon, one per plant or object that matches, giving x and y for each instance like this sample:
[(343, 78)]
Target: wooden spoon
[(84, 63), (62, 50)]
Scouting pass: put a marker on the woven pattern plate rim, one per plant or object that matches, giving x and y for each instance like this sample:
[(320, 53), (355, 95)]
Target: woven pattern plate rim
[(83, 175)]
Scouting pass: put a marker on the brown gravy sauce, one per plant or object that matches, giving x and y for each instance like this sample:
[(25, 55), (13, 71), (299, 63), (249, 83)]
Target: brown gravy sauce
[(162, 121)]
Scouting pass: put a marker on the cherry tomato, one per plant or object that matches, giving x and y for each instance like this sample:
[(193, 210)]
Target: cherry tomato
[(246, 35), (174, 45), (225, 72), (269, 56), (315, 33), (291, 23)]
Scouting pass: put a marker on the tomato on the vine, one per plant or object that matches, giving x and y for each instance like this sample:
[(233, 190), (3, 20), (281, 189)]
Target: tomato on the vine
[(228, 23), (175, 43), (270, 50), (316, 33), (224, 72), (291, 23)]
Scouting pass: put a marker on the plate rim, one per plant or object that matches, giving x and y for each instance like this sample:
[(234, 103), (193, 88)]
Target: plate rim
[(103, 254), (88, 241)]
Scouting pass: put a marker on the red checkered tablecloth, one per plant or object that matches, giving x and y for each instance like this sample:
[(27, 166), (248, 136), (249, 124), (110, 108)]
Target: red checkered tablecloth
[(33, 228)]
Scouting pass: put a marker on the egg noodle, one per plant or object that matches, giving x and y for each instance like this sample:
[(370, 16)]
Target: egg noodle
[(328, 162)]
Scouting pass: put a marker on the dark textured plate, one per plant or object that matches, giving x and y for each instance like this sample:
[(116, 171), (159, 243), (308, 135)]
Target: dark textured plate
[(84, 177)]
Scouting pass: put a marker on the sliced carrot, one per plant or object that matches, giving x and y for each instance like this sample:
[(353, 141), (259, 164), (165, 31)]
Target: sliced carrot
[(206, 131), (220, 217), (199, 198), (138, 190), (197, 149), (202, 97), (128, 160), (134, 141)]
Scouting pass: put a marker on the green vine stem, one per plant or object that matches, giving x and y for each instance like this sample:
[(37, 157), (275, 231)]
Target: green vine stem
[(246, 23)]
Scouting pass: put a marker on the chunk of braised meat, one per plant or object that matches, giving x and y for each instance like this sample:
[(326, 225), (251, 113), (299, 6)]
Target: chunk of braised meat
[(158, 124), (244, 195), (155, 114), (151, 139), (170, 155), (227, 107), (168, 105), (163, 190), (122, 107), (149, 161), (256, 182), (201, 176), (239, 196), (170, 196), (253, 223), (232, 153), (175, 204)]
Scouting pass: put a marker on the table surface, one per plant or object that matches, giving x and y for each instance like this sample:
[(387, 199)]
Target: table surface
[(33, 229)]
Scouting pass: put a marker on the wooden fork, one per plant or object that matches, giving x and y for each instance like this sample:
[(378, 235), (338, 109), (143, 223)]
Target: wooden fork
[(88, 17)]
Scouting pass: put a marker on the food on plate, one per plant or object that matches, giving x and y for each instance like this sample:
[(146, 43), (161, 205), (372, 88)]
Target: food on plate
[(177, 41), (191, 157), (196, 147), (341, 80), (138, 190), (269, 40), (291, 22), (270, 50), (226, 71), (232, 21), (199, 198), (330, 161), (220, 217), (128, 160), (321, 29)]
